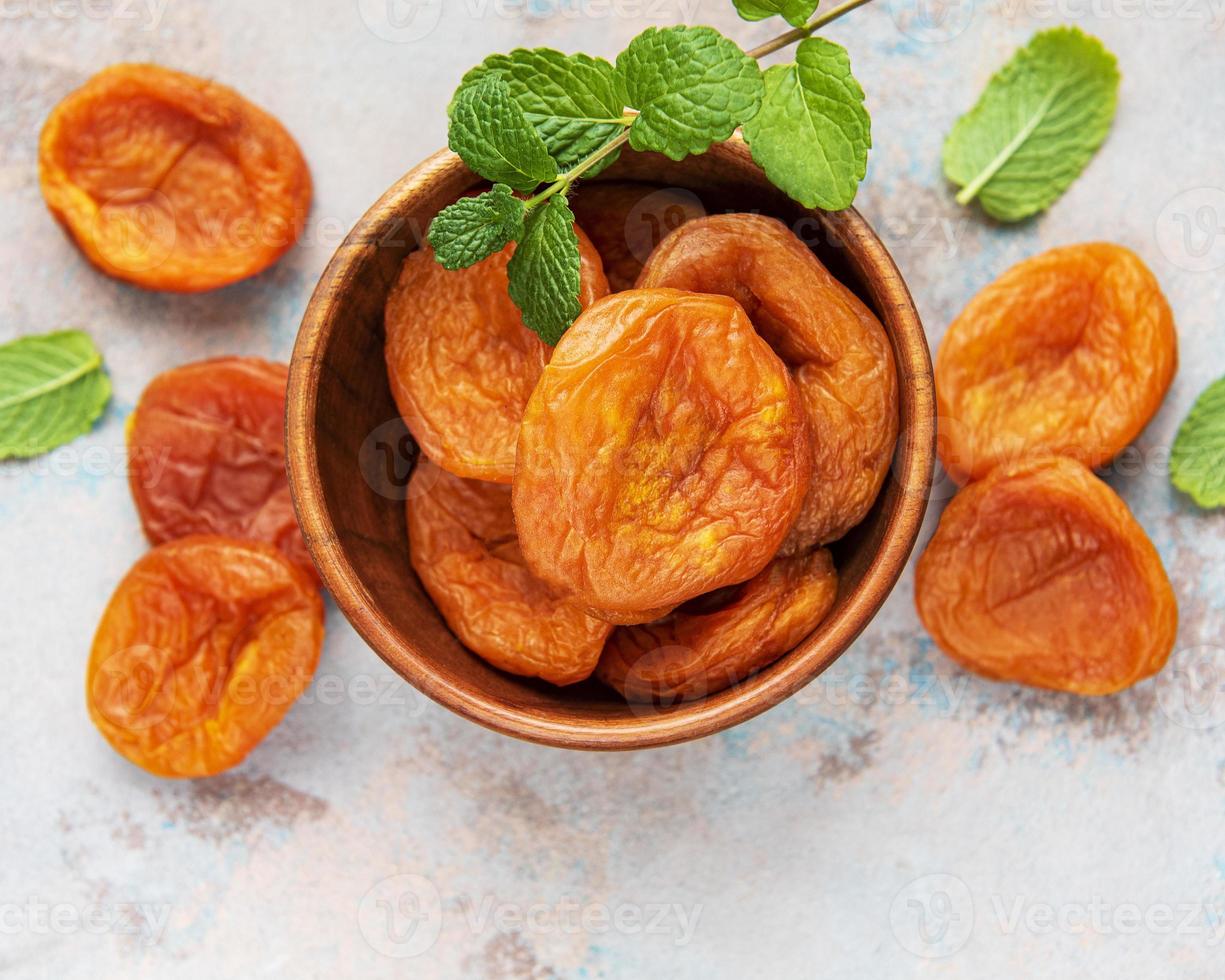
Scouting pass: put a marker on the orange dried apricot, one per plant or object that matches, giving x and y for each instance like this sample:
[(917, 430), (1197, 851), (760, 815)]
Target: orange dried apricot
[(201, 651), (692, 653), (206, 449), (460, 361), (1068, 353), (170, 181), (464, 549), (627, 219), (663, 454), (1039, 574), (837, 350)]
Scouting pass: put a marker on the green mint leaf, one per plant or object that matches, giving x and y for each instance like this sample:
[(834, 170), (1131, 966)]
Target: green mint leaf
[(52, 389), (1036, 125), (574, 102), (1197, 461), (813, 133), (691, 86), (544, 271), (475, 227), (493, 137), (794, 12)]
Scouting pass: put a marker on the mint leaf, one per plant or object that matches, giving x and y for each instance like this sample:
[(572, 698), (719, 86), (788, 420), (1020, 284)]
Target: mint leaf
[(52, 389), (1197, 461), (1036, 126), (795, 12), (691, 86), (475, 227), (544, 271), (493, 137), (575, 102), (813, 133)]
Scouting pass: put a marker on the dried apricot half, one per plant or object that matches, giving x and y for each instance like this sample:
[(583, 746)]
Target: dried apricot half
[(464, 549), (203, 648), (699, 651), (170, 181), (837, 350), (206, 455), (460, 361), (663, 454), (1068, 353), (626, 219), (1039, 574)]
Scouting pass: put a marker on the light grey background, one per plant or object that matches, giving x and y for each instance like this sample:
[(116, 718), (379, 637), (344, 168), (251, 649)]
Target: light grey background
[(899, 818)]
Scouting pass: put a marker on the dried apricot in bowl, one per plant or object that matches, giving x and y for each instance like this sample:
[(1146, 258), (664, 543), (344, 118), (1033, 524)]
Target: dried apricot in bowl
[(465, 550), (1068, 353), (201, 651), (206, 451), (837, 350), (460, 361), (663, 454), (695, 652), (1039, 574), (170, 181)]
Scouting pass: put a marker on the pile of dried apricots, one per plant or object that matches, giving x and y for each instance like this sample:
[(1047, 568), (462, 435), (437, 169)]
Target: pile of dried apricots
[(177, 183), (1038, 572), (650, 500)]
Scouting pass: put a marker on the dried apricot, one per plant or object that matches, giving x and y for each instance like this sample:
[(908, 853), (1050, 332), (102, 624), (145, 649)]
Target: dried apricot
[(465, 551), (206, 448), (1039, 574), (663, 454), (1068, 353), (460, 361), (170, 181), (695, 652), (627, 219), (837, 350), (203, 648)]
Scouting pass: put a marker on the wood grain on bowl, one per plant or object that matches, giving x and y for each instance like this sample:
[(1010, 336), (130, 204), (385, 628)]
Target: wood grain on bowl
[(350, 456)]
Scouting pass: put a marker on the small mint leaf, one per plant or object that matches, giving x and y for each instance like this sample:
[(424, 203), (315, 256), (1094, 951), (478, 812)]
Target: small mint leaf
[(544, 271), (575, 102), (475, 227), (52, 389), (492, 136), (1036, 126), (1197, 460), (691, 86), (794, 12), (813, 133)]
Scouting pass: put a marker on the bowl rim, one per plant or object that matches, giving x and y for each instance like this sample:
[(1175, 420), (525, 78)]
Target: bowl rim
[(912, 470)]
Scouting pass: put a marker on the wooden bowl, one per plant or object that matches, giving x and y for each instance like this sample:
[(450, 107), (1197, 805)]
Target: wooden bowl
[(350, 455)]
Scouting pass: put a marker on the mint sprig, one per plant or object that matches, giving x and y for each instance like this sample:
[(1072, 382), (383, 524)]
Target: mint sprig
[(1197, 459), (540, 117)]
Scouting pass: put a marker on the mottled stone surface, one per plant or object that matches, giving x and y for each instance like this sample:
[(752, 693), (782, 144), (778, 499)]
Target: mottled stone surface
[(897, 811)]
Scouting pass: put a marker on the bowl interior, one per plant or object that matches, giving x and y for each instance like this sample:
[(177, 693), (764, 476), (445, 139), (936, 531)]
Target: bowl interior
[(350, 458)]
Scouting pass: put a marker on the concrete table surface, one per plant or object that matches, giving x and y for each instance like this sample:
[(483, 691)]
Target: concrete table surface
[(899, 818)]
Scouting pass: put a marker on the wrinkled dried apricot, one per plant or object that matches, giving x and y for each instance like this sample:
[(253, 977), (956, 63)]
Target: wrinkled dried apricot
[(692, 653), (663, 454), (206, 448), (1039, 574), (627, 219), (460, 361), (464, 549), (170, 181), (838, 352), (203, 648), (1068, 353)]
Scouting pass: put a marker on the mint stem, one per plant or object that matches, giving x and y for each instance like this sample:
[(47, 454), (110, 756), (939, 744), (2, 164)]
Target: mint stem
[(799, 33)]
